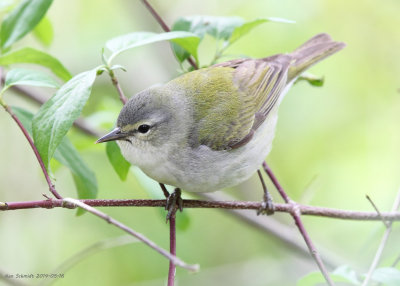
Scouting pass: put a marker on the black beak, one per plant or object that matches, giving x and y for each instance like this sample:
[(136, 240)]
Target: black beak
[(116, 134)]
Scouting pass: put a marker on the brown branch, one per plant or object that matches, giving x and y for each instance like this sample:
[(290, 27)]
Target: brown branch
[(233, 205), (115, 82), (30, 141), (72, 203), (296, 214), (172, 249)]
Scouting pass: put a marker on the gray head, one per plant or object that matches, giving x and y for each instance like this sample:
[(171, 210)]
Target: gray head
[(149, 123)]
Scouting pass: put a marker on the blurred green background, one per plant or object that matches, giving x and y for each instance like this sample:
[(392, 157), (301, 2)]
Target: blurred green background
[(333, 146)]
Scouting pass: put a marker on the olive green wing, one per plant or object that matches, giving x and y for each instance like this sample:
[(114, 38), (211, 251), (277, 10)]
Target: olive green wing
[(232, 99)]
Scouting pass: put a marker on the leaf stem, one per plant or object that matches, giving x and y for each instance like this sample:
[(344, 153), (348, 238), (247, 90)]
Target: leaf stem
[(115, 82)]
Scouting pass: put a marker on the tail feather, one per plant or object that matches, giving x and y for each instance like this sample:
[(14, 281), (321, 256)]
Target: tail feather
[(314, 50)]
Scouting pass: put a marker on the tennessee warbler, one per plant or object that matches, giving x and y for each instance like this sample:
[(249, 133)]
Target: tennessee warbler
[(212, 128)]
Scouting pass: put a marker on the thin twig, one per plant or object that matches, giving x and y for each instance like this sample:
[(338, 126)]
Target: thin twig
[(165, 27), (384, 239), (30, 141), (172, 249), (296, 214), (377, 211), (233, 205), (115, 82), (141, 237)]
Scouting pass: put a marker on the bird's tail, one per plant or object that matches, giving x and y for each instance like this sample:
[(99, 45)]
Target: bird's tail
[(314, 50)]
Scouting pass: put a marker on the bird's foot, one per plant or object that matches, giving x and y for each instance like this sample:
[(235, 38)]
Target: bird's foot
[(267, 205), (174, 202)]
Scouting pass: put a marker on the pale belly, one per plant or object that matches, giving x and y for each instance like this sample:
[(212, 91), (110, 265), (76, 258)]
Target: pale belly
[(206, 170)]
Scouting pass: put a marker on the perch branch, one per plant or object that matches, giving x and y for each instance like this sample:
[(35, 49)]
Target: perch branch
[(233, 205)]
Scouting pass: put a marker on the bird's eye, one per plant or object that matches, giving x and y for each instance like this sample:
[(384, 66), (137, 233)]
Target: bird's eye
[(144, 128)]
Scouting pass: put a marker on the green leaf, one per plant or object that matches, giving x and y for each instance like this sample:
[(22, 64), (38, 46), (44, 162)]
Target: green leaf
[(57, 115), (120, 165), (25, 117), (317, 279), (84, 178), (33, 56), (228, 29), (218, 27), (29, 77), (347, 273), (246, 27), (5, 5), (311, 79), (187, 41), (22, 20), (387, 275), (44, 31), (67, 155)]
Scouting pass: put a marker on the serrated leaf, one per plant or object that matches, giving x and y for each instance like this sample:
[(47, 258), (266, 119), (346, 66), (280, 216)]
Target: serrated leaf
[(57, 115), (21, 76), (44, 31), (22, 20), (67, 155), (187, 41), (33, 56), (120, 165), (387, 275)]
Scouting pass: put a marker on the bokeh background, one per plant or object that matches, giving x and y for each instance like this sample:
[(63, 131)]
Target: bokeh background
[(333, 145)]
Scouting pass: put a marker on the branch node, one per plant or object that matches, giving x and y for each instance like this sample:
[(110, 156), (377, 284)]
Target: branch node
[(387, 225)]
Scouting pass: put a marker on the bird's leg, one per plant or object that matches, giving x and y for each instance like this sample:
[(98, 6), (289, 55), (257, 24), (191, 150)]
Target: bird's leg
[(174, 201), (267, 206)]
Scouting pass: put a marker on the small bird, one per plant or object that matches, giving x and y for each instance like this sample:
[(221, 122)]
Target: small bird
[(212, 128)]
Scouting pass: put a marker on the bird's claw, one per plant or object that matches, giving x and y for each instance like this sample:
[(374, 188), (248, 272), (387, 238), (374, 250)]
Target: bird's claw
[(174, 202), (267, 206)]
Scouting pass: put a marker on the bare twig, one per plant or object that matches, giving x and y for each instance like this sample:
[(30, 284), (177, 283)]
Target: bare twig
[(30, 141), (377, 211), (172, 249), (115, 82), (385, 237), (296, 214), (141, 237)]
